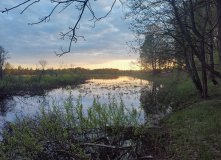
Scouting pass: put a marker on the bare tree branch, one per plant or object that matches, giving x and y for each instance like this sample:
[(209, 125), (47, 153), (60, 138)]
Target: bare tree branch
[(106, 146), (46, 17), (29, 6), (71, 34), (6, 10)]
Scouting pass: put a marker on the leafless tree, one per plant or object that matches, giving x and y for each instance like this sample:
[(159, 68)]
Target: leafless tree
[(43, 64)]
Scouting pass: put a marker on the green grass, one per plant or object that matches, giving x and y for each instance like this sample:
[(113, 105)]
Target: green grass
[(12, 85), (195, 133), (193, 129), (177, 90)]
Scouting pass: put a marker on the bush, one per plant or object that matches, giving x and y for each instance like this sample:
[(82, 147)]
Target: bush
[(108, 131)]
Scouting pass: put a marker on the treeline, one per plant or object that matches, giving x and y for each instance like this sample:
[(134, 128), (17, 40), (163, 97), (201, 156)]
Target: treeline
[(9, 70)]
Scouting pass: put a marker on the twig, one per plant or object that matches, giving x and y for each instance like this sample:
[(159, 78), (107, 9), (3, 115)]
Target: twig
[(106, 146), (6, 10), (30, 5), (142, 158)]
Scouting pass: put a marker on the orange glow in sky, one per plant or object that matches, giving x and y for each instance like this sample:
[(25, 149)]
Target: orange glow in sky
[(118, 64), (127, 64)]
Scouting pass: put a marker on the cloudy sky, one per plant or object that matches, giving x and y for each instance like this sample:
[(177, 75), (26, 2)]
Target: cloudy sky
[(105, 45)]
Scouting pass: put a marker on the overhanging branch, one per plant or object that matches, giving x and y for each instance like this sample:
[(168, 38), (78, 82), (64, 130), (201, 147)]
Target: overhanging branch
[(71, 34)]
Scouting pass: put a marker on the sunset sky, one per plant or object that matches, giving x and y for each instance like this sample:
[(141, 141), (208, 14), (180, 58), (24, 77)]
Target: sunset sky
[(105, 45)]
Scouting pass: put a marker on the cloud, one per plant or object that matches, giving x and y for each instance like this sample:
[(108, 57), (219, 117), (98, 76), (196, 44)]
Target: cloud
[(28, 43)]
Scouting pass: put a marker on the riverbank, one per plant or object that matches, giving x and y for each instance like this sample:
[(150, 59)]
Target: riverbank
[(35, 85), (193, 129), (21, 85)]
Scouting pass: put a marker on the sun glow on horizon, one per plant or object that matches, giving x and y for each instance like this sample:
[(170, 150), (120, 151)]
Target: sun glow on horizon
[(116, 64), (127, 64)]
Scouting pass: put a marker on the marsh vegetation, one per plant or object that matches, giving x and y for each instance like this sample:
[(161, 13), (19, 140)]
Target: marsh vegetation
[(113, 118), (99, 119)]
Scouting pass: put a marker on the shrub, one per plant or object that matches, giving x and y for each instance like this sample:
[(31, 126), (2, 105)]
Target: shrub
[(107, 131)]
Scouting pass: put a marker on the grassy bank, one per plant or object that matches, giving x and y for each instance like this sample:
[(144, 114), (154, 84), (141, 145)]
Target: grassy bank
[(195, 133), (193, 129), (18, 85)]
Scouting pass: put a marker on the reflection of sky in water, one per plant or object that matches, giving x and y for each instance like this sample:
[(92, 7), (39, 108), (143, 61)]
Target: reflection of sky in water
[(128, 88)]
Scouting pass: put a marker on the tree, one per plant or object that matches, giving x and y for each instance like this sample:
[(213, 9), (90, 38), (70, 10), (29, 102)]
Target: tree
[(190, 23), (154, 52), (219, 28), (7, 68), (80, 5), (43, 64), (3, 57)]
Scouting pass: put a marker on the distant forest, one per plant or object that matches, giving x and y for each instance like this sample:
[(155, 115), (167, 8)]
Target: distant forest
[(8, 70)]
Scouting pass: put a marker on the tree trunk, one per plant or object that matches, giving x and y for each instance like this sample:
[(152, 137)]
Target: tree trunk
[(195, 76), (212, 77), (219, 28), (189, 41), (204, 78), (40, 76), (191, 67), (1, 73), (153, 67), (204, 73), (155, 63)]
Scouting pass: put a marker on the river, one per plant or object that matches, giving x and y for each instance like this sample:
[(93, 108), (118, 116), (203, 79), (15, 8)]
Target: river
[(124, 87)]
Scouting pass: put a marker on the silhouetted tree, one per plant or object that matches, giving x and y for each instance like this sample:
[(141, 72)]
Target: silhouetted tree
[(154, 52), (3, 56), (7, 68), (43, 64), (192, 25)]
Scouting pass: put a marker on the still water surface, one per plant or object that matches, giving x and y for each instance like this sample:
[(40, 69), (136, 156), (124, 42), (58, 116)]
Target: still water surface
[(128, 88)]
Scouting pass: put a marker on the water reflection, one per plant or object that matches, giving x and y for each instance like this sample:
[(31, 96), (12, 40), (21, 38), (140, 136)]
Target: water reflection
[(154, 111), (127, 88), (5, 106), (148, 99)]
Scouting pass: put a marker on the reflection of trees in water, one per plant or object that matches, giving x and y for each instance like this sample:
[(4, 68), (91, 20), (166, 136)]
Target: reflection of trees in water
[(153, 110), (21, 105), (6, 105), (148, 99)]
